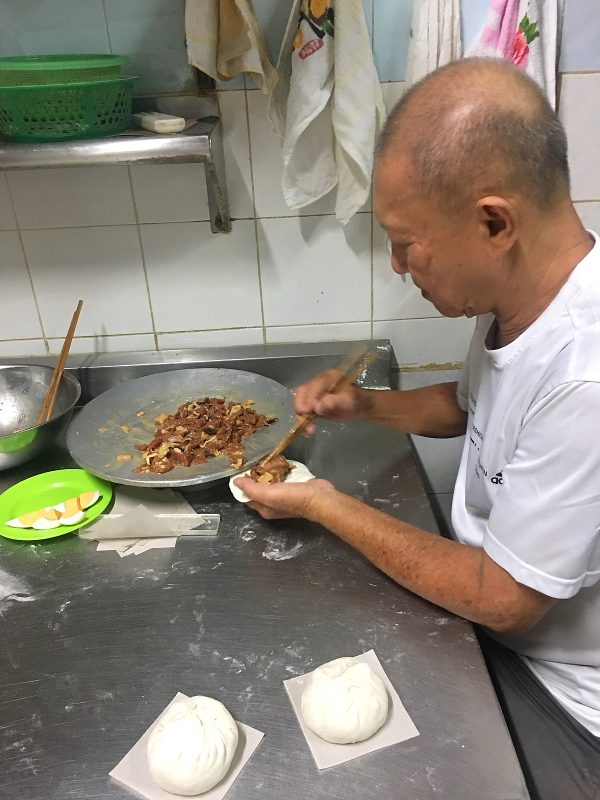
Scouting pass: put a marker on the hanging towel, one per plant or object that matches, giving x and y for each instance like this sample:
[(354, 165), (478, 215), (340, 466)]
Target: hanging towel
[(435, 37), (328, 105), (225, 40), (525, 33)]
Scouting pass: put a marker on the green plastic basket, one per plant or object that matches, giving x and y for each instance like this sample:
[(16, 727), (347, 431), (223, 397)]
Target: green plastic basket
[(65, 111), (34, 70)]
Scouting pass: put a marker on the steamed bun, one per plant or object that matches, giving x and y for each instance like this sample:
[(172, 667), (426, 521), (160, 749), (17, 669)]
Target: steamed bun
[(191, 748), (345, 701)]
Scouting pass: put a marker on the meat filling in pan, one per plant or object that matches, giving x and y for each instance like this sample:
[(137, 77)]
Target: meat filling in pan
[(200, 430)]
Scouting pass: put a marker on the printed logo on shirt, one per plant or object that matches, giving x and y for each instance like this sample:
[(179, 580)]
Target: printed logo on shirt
[(497, 479), (479, 436)]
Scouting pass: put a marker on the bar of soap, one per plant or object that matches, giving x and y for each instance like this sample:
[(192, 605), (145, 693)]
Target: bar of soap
[(158, 123)]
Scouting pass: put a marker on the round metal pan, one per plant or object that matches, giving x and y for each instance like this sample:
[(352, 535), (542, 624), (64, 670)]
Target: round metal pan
[(110, 426)]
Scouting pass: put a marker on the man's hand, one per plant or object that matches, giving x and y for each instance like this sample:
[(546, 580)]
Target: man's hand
[(428, 411), (314, 398), (284, 500)]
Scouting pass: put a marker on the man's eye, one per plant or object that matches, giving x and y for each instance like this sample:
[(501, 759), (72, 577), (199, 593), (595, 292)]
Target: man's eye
[(397, 245)]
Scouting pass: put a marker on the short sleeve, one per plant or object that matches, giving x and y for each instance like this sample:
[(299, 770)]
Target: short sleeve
[(544, 524)]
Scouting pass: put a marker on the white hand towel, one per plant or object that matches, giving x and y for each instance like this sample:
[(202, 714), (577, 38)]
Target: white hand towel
[(525, 33), (225, 40), (328, 105), (435, 37), (358, 108)]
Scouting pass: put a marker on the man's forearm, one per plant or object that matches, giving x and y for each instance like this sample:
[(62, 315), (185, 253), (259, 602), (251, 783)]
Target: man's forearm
[(429, 411), (460, 578)]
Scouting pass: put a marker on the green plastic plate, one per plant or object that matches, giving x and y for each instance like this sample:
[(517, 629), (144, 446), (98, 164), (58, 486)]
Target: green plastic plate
[(48, 489)]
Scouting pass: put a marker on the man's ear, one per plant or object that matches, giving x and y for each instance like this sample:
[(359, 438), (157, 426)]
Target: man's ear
[(498, 221)]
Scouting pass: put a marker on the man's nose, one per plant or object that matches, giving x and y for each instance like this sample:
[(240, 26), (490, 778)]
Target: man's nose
[(399, 265)]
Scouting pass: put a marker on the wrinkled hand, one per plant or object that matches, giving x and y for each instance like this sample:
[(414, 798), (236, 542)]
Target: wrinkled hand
[(314, 398), (285, 500)]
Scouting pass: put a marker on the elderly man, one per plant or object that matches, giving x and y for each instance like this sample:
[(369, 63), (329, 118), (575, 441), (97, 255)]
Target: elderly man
[(472, 186)]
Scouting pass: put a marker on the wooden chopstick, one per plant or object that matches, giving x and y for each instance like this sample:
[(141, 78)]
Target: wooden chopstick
[(358, 360), (50, 398)]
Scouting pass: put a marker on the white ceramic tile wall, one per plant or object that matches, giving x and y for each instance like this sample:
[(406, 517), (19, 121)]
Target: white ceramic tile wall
[(52, 26), (199, 280), (19, 318), (580, 113), (101, 266), (344, 331), (7, 217), (151, 33), (589, 213), (15, 348), (135, 243), (70, 198), (314, 270), (420, 342), (226, 337), (106, 344), (580, 49)]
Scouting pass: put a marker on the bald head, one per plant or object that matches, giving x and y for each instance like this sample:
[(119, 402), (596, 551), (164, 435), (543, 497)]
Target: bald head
[(478, 127)]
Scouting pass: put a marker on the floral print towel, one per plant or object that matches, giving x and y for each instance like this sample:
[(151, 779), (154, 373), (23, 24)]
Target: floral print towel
[(523, 32)]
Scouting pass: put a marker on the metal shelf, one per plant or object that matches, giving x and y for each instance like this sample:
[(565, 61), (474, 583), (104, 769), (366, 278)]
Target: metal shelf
[(202, 143)]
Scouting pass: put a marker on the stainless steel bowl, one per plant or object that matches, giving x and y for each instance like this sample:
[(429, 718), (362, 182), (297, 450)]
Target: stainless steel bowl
[(22, 392)]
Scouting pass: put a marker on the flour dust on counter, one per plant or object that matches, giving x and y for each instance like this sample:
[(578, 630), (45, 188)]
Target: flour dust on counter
[(13, 590)]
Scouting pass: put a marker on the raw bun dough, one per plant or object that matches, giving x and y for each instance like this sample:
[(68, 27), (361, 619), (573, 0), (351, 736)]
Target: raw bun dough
[(300, 474), (345, 701), (191, 748)]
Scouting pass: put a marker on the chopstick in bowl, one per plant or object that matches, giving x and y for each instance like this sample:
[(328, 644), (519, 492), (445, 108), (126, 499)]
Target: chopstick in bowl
[(50, 398)]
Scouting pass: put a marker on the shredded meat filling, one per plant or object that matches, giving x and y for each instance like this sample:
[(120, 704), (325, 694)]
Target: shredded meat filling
[(274, 471), (200, 430)]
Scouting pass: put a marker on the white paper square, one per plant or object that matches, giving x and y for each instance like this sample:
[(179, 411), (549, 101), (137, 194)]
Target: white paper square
[(397, 728), (134, 547), (132, 771)]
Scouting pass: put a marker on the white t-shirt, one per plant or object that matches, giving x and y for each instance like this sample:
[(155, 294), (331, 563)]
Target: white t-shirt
[(528, 487)]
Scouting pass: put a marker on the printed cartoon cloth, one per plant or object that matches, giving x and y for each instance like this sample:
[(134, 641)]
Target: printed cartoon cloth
[(328, 105), (525, 33)]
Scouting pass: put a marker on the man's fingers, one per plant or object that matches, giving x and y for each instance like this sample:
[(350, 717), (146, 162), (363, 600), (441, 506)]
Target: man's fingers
[(302, 400), (253, 489), (266, 512), (335, 405), (309, 394), (264, 493)]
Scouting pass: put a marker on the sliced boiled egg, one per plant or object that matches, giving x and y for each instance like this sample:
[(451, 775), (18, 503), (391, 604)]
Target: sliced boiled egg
[(15, 523), (70, 512), (87, 499), (26, 520), (50, 519)]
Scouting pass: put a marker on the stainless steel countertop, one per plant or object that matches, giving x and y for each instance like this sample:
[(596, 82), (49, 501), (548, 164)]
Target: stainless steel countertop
[(94, 646)]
